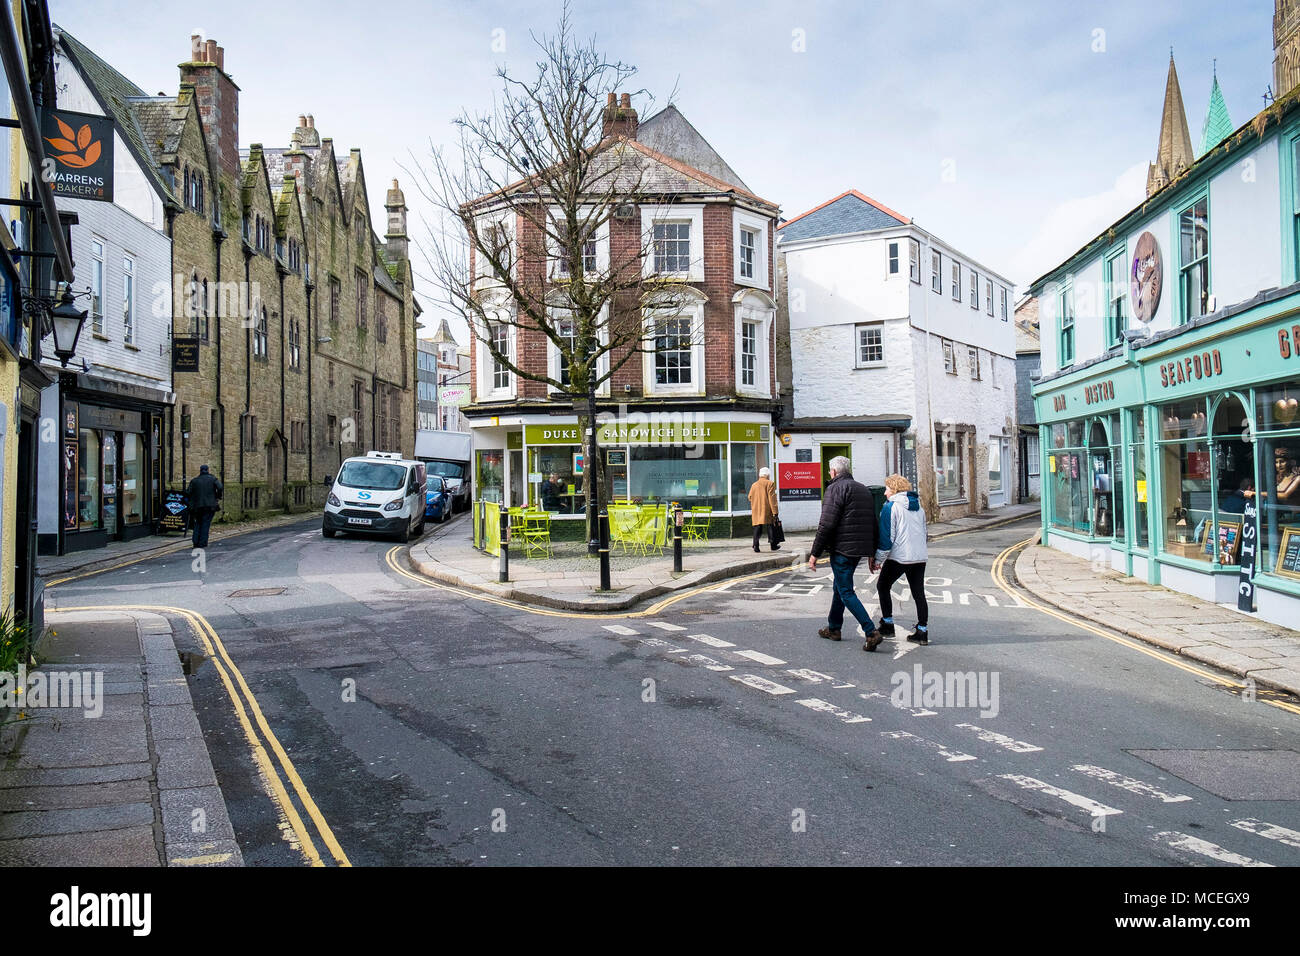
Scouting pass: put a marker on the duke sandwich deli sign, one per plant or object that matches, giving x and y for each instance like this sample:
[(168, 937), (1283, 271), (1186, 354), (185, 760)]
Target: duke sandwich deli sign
[(78, 155)]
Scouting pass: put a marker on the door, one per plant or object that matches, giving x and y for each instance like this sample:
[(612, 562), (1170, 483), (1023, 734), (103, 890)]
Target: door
[(517, 499), (998, 458), (274, 473), (108, 482), (829, 452)]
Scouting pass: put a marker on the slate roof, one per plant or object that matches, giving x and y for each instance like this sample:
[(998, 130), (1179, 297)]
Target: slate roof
[(671, 133), (120, 99), (849, 212)]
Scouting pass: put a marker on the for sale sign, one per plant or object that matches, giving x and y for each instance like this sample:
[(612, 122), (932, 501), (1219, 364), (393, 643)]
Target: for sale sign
[(799, 480)]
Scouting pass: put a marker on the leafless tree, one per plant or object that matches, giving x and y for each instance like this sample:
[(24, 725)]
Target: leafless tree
[(525, 202)]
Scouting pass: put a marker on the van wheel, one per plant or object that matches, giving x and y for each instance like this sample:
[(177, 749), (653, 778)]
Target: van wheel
[(405, 534), (328, 532), (419, 530)]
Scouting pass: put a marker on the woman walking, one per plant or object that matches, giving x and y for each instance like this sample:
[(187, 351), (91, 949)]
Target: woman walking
[(903, 553)]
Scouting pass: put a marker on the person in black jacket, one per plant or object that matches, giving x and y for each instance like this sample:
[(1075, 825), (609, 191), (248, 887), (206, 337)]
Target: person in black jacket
[(203, 496), (847, 530)]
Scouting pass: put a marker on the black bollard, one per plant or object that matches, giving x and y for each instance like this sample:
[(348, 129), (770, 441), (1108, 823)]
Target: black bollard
[(504, 575), (677, 541), (603, 534)]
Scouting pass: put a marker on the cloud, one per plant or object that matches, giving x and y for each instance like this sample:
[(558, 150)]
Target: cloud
[(1068, 225)]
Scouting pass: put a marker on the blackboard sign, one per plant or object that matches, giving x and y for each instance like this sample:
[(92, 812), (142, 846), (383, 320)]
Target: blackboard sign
[(1249, 538), (1288, 553), (185, 353), (175, 514), (616, 456)]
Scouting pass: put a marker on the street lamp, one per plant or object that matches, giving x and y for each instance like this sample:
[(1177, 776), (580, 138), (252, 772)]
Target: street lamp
[(65, 320)]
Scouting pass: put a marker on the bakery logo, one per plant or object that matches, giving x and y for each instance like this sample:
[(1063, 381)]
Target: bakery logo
[(79, 155)]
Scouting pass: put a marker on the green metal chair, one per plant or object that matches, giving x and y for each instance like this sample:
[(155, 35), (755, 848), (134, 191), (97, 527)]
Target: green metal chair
[(536, 533), (622, 527), (695, 524)]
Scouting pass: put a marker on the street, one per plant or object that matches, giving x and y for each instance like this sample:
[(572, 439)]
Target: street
[(422, 725)]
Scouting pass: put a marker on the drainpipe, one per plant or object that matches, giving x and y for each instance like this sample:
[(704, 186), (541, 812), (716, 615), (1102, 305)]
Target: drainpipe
[(217, 237), (248, 365), (284, 442), (311, 334)]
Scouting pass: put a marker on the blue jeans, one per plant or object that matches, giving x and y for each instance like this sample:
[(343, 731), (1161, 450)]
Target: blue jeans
[(842, 567)]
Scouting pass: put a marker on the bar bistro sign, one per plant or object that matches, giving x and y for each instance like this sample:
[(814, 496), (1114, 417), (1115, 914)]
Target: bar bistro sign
[(78, 155), (1094, 394)]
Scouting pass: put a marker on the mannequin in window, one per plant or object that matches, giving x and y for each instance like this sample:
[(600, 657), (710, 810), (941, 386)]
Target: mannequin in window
[(1287, 477)]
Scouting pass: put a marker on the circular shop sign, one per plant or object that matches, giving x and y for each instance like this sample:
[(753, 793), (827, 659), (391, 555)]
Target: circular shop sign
[(1148, 275)]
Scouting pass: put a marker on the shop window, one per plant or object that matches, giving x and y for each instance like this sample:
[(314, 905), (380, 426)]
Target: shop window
[(1279, 470), (746, 459), (1184, 456), (88, 480), (1067, 472), (1141, 484), (691, 476), (949, 464), (132, 478), (489, 475), (561, 489)]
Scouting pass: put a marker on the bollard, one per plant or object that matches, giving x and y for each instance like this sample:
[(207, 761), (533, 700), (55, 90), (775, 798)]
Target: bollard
[(602, 534), (677, 540), (504, 574)]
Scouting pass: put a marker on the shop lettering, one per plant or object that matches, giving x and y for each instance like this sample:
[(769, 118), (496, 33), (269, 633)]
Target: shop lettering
[(1101, 392), (1288, 341), (1200, 365), (1058, 403), (560, 433)]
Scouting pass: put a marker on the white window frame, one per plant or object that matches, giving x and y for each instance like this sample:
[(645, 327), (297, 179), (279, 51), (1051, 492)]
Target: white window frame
[(482, 270), (742, 220), (97, 286), (487, 389), (692, 214), (858, 361), (553, 351), (973, 353), (988, 296), (693, 310), (936, 272), (974, 290), (1005, 295), (555, 262), (759, 309), (949, 356), (128, 299), (956, 281), (914, 260), (892, 261)]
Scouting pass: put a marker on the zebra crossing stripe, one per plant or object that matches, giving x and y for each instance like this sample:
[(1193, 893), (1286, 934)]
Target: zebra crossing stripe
[(816, 677), (1270, 831), (846, 716), (1002, 740), (952, 756), (760, 658), (665, 626), (1189, 844), (760, 683), (914, 711), (1129, 784), (709, 662), (1083, 803), (619, 628), (711, 641)]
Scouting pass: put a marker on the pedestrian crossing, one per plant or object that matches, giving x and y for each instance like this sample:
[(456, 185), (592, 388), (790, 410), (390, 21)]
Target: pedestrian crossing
[(1100, 794)]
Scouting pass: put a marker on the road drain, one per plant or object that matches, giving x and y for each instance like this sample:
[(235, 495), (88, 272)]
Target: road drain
[(256, 592)]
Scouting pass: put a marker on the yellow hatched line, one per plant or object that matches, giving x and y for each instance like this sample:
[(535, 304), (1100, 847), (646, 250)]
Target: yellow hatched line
[(1000, 580), (216, 650)]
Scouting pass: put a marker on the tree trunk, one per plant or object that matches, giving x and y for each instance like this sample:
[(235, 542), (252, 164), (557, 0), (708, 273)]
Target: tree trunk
[(591, 475)]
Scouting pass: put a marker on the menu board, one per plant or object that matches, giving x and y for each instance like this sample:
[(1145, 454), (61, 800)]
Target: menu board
[(1288, 553)]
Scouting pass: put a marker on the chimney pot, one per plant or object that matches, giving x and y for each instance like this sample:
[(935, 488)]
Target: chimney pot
[(311, 121), (196, 46), (221, 59), (302, 120), (210, 51), (394, 183), (611, 100), (626, 101)]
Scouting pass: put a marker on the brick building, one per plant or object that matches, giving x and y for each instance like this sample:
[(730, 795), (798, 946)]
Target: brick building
[(304, 318), (691, 417)]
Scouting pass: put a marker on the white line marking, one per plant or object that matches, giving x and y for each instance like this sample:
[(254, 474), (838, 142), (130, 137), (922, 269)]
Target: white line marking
[(667, 648), (711, 641), (816, 677), (1190, 844), (665, 626), (619, 628), (709, 662), (914, 711), (902, 645), (759, 683), (1129, 784), (1084, 803), (1270, 831), (760, 658), (847, 716), (952, 756), (1002, 740)]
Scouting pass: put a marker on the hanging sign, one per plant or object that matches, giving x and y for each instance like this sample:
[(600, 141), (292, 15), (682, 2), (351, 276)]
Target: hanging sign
[(78, 155), (185, 353), (1249, 538)]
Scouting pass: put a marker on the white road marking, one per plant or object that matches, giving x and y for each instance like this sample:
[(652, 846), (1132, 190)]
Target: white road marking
[(759, 683), (1084, 803), (914, 711), (665, 626), (711, 641), (1270, 831), (902, 645), (847, 716), (1002, 740), (1129, 784), (952, 756), (1190, 844), (667, 648), (709, 662), (760, 658), (816, 677), (620, 629)]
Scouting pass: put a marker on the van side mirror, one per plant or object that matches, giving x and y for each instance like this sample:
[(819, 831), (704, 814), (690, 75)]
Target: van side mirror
[(327, 480)]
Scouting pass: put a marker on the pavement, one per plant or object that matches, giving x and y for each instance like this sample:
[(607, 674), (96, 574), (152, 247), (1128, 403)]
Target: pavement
[(121, 776), (56, 568), (571, 579), (1214, 634)]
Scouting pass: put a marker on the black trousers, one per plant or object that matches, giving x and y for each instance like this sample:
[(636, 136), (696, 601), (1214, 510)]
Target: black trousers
[(771, 534), (915, 574)]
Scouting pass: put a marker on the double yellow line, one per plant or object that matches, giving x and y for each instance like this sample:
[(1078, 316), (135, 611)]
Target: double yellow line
[(1000, 580), (250, 714)]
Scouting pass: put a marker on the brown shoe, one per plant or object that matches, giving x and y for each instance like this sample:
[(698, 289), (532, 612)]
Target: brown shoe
[(830, 635), (873, 640)]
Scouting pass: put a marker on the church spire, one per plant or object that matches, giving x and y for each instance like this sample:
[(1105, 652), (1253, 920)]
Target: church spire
[(1174, 153), (1217, 123)]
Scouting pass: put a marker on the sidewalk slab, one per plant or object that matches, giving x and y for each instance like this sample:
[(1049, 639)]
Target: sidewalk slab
[(131, 787), (1198, 630)]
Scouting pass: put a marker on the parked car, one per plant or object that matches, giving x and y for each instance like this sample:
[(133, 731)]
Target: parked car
[(437, 499), (447, 454), (381, 493)]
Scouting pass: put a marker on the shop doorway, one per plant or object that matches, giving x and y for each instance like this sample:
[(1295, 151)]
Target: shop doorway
[(517, 479), (829, 452), (108, 483), (999, 460)]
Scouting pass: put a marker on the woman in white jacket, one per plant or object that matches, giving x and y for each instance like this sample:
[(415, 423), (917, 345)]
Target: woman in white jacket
[(903, 553)]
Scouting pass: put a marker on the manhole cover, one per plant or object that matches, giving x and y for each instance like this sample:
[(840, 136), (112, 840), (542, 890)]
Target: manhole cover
[(256, 592), (1233, 774)]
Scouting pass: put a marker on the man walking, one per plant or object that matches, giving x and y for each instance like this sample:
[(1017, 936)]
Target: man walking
[(204, 495), (847, 530), (762, 508)]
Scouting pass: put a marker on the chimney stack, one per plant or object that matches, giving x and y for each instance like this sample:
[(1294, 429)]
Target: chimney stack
[(395, 240), (619, 118), (218, 101)]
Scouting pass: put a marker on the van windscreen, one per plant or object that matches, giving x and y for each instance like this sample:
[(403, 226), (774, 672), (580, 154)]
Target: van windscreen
[(372, 475)]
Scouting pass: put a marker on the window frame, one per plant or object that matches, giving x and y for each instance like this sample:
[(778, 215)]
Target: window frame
[(694, 313), (974, 290), (914, 260), (1065, 329), (936, 272), (553, 355), (128, 299), (949, 350), (557, 269), (744, 221), (1183, 315), (1116, 324), (973, 354), (693, 216), (859, 345), (988, 296), (956, 281), (756, 308), (97, 278), (892, 259)]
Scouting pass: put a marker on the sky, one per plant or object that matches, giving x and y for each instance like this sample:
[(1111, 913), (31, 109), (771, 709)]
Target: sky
[(1014, 131)]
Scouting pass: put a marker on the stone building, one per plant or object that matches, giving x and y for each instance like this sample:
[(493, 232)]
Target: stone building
[(304, 319)]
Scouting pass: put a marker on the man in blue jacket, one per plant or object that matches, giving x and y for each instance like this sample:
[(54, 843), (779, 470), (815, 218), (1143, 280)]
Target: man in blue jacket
[(847, 530), (902, 552)]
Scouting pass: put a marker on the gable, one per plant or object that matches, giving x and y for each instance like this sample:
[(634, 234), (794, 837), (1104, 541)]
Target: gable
[(670, 133), (845, 214)]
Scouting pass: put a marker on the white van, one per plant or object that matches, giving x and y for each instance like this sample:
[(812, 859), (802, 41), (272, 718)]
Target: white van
[(381, 493)]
